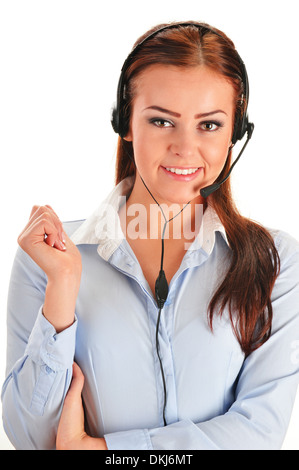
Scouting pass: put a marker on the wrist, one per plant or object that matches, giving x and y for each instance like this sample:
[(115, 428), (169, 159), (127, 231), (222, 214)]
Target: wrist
[(65, 277)]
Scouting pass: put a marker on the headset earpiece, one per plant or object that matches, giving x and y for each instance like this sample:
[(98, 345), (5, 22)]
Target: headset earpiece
[(114, 120), (120, 122), (240, 128)]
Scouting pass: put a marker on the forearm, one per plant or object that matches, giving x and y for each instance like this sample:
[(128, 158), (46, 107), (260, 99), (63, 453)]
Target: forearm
[(60, 300), (35, 388), (30, 421)]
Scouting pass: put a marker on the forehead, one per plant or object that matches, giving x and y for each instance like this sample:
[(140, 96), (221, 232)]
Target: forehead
[(179, 85)]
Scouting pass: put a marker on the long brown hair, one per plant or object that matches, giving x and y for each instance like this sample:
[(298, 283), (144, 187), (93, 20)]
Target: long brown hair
[(246, 289)]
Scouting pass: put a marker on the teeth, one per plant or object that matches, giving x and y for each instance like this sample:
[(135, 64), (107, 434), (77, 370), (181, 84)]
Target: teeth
[(179, 171)]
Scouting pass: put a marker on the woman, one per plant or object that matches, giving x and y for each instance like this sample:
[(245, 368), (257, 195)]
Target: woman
[(180, 315)]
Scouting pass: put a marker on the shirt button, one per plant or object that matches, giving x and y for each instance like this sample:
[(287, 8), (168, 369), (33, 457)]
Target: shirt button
[(49, 370)]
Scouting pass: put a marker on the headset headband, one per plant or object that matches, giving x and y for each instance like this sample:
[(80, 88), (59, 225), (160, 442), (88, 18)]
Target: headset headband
[(118, 121)]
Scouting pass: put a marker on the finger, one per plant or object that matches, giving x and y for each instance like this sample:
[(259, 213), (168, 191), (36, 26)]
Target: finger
[(34, 211), (45, 211), (52, 210), (59, 224), (41, 230), (54, 241), (38, 211), (77, 381), (33, 215), (37, 208), (77, 372)]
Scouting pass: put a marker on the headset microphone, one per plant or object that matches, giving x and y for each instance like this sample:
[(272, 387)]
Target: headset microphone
[(205, 192)]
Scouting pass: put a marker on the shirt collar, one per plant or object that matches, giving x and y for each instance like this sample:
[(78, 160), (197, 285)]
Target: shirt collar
[(103, 226)]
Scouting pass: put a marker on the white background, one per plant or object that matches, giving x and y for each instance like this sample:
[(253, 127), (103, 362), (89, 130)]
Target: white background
[(60, 61)]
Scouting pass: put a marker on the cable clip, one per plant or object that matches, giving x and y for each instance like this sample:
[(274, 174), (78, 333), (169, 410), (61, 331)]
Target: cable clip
[(161, 289)]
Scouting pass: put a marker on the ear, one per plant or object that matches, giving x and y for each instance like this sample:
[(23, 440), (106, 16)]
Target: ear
[(128, 137)]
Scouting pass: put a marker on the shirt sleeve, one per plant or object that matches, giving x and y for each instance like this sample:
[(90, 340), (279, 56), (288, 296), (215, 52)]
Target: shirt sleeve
[(39, 361), (265, 391)]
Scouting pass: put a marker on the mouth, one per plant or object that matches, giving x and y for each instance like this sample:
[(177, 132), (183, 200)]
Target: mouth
[(182, 174), (181, 171)]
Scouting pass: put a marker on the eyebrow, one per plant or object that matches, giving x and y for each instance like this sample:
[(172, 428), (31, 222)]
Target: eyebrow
[(197, 116)]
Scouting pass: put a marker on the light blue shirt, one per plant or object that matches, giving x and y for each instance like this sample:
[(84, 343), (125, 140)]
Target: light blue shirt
[(216, 399)]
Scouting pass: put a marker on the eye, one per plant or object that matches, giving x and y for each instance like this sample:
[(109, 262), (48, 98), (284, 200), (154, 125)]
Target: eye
[(161, 123), (210, 126)]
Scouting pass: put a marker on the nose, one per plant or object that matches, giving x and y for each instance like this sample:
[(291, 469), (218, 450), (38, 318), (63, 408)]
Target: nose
[(184, 143)]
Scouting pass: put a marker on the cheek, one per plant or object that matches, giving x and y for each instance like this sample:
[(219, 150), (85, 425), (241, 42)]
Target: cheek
[(215, 156), (142, 156), (147, 149)]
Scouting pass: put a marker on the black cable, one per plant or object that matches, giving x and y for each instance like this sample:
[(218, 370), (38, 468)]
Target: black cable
[(161, 365)]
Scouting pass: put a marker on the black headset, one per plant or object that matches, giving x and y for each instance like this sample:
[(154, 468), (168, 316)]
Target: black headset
[(120, 123)]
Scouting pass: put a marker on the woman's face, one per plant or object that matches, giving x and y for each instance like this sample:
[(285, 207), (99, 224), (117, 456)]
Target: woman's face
[(181, 130)]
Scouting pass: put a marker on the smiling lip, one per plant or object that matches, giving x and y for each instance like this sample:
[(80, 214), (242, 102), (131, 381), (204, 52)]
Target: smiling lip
[(181, 173)]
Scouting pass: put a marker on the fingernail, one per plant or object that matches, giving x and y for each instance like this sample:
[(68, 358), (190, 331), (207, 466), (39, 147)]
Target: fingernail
[(62, 244)]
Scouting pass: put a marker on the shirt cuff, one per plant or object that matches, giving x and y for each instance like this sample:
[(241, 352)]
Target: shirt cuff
[(136, 439), (46, 347)]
